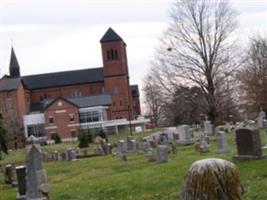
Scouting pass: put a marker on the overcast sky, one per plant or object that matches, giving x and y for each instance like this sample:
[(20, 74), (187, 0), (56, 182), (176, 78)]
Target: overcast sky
[(53, 35)]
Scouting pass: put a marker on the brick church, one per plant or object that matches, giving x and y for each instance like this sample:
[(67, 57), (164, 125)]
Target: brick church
[(63, 102)]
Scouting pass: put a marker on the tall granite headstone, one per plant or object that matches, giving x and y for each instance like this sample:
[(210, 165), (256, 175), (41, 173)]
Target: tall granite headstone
[(37, 187), (248, 144)]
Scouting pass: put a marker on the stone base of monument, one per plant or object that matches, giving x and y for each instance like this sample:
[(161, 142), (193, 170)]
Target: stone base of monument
[(247, 158), (21, 197), (185, 142), (222, 151)]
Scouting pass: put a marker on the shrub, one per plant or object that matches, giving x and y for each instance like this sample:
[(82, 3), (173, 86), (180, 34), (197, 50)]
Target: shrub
[(83, 139), (56, 138)]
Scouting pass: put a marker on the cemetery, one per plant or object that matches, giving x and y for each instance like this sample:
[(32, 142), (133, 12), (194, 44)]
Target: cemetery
[(153, 164), (174, 111)]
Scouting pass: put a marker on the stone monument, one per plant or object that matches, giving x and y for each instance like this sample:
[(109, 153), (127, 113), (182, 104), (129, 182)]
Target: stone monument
[(162, 153), (208, 127), (248, 144), (184, 135), (21, 178), (212, 179), (37, 187), (261, 118), (222, 146)]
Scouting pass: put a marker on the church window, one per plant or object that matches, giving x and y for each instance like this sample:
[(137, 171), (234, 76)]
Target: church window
[(112, 54), (51, 120), (108, 55), (71, 116), (116, 89), (115, 54)]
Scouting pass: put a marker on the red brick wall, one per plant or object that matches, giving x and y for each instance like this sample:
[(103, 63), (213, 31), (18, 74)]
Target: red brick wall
[(115, 67), (13, 107), (67, 91), (62, 124)]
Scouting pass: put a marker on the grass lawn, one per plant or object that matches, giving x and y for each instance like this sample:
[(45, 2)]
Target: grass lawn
[(107, 177)]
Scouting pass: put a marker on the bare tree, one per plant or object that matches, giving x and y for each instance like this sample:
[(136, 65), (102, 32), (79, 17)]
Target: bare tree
[(153, 98), (198, 49), (253, 75)]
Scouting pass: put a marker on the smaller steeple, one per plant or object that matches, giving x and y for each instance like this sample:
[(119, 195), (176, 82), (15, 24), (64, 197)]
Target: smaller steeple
[(14, 69), (110, 36)]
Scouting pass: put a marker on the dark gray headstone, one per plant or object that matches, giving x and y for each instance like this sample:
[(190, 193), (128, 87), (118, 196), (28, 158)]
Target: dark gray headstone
[(21, 178), (248, 144), (8, 174)]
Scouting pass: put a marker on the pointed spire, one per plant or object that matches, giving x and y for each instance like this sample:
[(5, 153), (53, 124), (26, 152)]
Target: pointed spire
[(110, 36), (14, 69)]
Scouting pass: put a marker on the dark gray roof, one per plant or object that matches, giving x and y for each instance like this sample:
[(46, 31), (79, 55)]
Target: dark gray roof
[(135, 90), (59, 79), (110, 36), (9, 84), (89, 101), (81, 102)]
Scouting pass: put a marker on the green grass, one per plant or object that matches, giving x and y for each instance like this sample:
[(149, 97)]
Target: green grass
[(109, 178)]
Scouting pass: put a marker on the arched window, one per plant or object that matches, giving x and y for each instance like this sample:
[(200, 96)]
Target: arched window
[(115, 54), (112, 54), (108, 55)]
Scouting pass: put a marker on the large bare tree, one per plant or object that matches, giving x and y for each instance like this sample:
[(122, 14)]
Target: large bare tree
[(253, 75), (198, 49), (153, 98)]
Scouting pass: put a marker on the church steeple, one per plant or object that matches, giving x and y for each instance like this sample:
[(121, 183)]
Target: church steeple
[(14, 69)]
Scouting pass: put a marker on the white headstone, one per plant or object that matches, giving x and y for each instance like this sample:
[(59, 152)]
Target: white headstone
[(207, 127), (184, 135), (221, 143), (261, 118), (162, 153)]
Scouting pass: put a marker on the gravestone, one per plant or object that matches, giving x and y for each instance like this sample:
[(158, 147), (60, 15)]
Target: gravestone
[(122, 146), (202, 146), (150, 155), (131, 145), (227, 127), (35, 174), (212, 179), (162, 153), (248, 144), (261, 118), (207, 127), (163, 138), (63, 156), (104, 147), (184, 135), (144, 144), (21, 178), (45, 156), (8, 173), (221, 143), (122, 156)]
